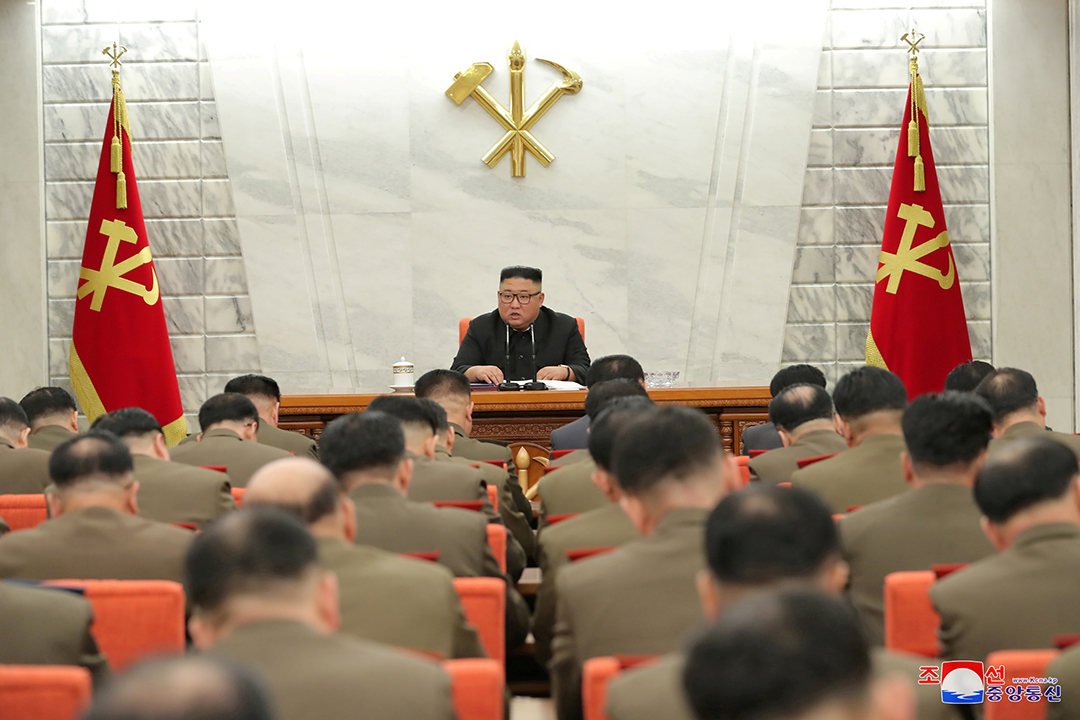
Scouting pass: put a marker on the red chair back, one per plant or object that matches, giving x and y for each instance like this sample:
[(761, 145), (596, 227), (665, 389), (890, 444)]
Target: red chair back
[(216, 468), (493, 496), (496, 534), (582, 553), (911, 622), (238, 496), (596, 677), (496, 463), (22, 512), (476, 686), (134, 618), (1019, 664), (556, 454), (755, 453), (433, 555), (44, 692), (556, 519), (811, 460), (463, 327), (484, 601), (944, 569), (744, 468)]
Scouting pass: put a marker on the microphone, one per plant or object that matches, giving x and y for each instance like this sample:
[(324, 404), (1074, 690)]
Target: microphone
[(506, 385), (534, 384)]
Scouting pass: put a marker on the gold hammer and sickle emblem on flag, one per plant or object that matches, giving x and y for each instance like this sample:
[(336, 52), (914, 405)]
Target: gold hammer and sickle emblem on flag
[(111, 274), (906, 257)]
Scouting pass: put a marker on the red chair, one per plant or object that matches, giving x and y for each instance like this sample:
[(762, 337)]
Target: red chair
[(484, 601), (596, 677), (474, 505), (805, 462), (463, 327), (1019, 664), (755, 453), (43, 692), (22, 512), (744, 468), (133, 618), (496, 535), (496, 463), (582, 553), (432, 555), (911, 622), (476, 686), (238, 496), (493, 496), (556, 519), (556, 454), (216, 468)]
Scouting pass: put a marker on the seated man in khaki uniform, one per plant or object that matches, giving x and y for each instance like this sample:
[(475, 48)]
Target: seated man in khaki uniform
[(168, 492), (803, 415), (94, 532), (1066, 668), (22, 469), (53, 416), (452, 390), (1026, 594), (575, 435), (261, 598), (230, 429), (266, 395), (384, 597), (640, 599), (869, 403), (1019, 411), (766, 437)]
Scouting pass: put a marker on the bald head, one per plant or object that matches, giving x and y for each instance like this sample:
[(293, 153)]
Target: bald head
[(797, 405), (299, 486)]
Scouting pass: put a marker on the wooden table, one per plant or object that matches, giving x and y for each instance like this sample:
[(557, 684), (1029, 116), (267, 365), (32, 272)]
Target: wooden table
[(531, 416)]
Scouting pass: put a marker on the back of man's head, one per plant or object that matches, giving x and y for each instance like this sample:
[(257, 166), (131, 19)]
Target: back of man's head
[(868, 390), (132, 425), (796, 375), (44, 405), (797, 405), (444, 386), (1024, 474), (301, 487), (13, 420), (965, 377), (952, 428), (604, 392), (255, 386), (783, 656), (614, 367), (673, 444), (92, 461), (417, 419), (437, 413), (616, 416), (228, 407), (369, 444), (1009, 390)]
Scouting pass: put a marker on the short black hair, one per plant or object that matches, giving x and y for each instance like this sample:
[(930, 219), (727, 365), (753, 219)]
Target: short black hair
[(866, 390), (672, 443), (12, 415), (952, 427), (1007, 390), (778, 656), (612, 420), (614, 367), (522, 271), (250, 550), (441, 383), (965, 377), (370, 440), (798, 404), (604, 392), (97, 455), (1022, 474), (128, 422), (409, 411), (801, 374), (322, 503), (227, 407), (255, 386), (45, 402), (765, 534), (437, 413)]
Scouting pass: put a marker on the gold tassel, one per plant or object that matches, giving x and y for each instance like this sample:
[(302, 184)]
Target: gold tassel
[(116, 161), (912, 139), (121, 191), (920, 175)]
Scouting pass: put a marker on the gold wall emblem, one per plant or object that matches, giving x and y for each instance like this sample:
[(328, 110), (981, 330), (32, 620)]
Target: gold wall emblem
[(517, 121), (111, 273)]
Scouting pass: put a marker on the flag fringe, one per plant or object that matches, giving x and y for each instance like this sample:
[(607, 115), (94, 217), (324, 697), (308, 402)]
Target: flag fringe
[(873, 355), (84, 389)]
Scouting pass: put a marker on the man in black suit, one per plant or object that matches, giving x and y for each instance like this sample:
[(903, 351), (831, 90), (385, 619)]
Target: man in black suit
[(511, 331), (575, 435), (766, 437)]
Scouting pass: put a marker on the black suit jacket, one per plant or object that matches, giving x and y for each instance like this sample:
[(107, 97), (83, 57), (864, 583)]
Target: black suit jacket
[(760, 437), (572, 436), (558, 342)]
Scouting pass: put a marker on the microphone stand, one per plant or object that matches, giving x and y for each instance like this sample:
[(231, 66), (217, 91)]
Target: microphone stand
[(506, 385), (535, 384)]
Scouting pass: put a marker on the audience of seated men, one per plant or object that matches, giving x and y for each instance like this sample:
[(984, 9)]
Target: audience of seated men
[(640, 599), (965, 377), (366, 453), (266, 395), (765, 436), (452, 390), (1018, 409), (1066, 668), (803, 415), (230, 425), (936, 521), (607, 526), (94, 531), (53, 417), (260, 597), (168, 492), (384, 597), (1025, 594), (22, 469), (869, 404), (575, 435)]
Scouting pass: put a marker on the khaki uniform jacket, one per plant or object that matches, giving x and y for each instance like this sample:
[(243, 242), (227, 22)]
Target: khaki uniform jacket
[(224, 447), (569, 489), (776, 466), (1015, 600), (41, 626), (639, 600), (176, 493), (386, 520), (472, 449), (935, 524), (399, 601), (292, 442), (49, 437), (22, 471), (1028, 429), (311, 676), (95, 543), (608, 526), (1067, 671), (861, 475)]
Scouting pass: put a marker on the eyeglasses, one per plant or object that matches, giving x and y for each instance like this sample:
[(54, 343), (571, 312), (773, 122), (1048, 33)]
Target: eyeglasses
[(523, 298)]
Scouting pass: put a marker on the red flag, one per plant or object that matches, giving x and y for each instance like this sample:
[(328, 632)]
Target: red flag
[(917, 328), (120, 352)]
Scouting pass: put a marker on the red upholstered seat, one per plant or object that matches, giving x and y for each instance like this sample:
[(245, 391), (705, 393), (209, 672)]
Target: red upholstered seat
[(22, 512), (463, 327), (744, 469), (43, 692), (911, 622), (596, 677), (484, 601), (1019, 664), (497, 540), (476, 686), (811, 460)]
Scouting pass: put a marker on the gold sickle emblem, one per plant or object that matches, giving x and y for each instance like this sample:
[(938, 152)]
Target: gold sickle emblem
[(517, 121), (907, 257), (111, 274)]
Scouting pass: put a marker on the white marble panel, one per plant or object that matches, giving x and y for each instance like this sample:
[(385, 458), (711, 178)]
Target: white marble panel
[(64, 240), (183, 315), (823, 113), (812, 304), (189, 354), (61, 317), (58, 355), (951, 145), (871, 28), (814, 265), (221, 237), (979, 334), (217, 199), (180, 276), (972, 261), (825, 68), (161, 81), (210, 128), (169, 198), (976, 300), (821, 149), (68, 200), (139, 11), (807, 343), (818, 187), (175, 238), (213, 159), (874, 108), (968, 223), (857, 263), (192, 391), (859, 225), (206, 82), (232, 353), (229, 315), (224, 276), (72, 161), (854, 302), (76, 43), (816, 226), (149, 121), (159, 41), (969, 184), (63, 278), (952, 27), (863, 186), (870, 68), (79, 11), (851, 341)]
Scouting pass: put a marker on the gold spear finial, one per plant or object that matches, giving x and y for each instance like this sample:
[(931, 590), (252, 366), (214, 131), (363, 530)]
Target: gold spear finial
[(115, 56), (913, 39)]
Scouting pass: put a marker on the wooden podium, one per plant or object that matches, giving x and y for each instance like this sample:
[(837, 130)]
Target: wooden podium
[(531, 416)]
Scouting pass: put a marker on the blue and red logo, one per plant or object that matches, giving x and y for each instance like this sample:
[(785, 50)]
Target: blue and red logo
[(964, 682), (961, 682)]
